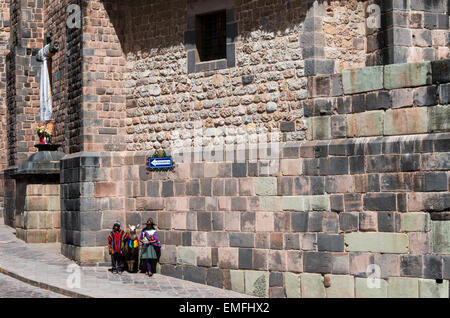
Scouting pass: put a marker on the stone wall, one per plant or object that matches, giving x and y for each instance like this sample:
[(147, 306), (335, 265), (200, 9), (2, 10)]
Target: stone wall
[(4, 38)]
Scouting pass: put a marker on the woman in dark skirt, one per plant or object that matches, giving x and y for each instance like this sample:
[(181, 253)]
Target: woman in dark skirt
[(151, 247)]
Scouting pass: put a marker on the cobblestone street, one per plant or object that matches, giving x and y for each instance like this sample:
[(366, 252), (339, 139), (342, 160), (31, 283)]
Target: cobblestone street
[(43, 263), (13, 288)]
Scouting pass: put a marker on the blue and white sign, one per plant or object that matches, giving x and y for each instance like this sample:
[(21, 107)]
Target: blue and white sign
[(158, 163)]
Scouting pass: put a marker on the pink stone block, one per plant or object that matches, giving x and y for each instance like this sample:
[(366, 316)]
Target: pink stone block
[(419, 243), (246, 187), (199, 239), (294, 261), (359, 262), (228, 257), (277, 260), (368, 221), (264, 221)]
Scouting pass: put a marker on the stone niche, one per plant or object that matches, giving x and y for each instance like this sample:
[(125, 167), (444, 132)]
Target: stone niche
[(37, 202)]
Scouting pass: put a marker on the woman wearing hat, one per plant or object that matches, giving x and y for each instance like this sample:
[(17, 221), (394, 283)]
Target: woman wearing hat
[(151, 247)]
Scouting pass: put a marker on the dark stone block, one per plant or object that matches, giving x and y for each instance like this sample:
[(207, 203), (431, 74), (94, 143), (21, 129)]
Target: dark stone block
[(386, 221), (344, 105), (197, 204), (285, 186), (357, 165), (384, 163), (330, 242), (446, 267), (426, 96), (172, 271), (287, 126), (291, 241), (315, 221), (311, 167), (348, 222), (232, 32), (337, 203), (214, 277), (252, 169), (247, 79), (231, 59), (167, 189), (276, 279), (411, 265), (321, 149), (441, 71), (391, 147), (153, 188), (317, 185), (299, 221), (338, 126), (432, 267), (334, 166), (410, 162), (430, 182), (380, 202), (193, 187), (239, 169), (245, 258), (242, 240), (358, 103), (352, 202), (204, 221), (187, 238), (194, 274), (444, 94), (317, 262)]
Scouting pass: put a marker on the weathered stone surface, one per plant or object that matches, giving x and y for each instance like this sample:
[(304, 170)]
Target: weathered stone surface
[(441, 237), (265, 186), (407, 75), (362, 79), (377, 242), (312, 286), (187, 255), (403, 287), (406, 121), (415, 222), (365, 124), (237, 281), (429, 288), (257, 283), (438, 118), (292, 285), (342, 286), (368, 288)]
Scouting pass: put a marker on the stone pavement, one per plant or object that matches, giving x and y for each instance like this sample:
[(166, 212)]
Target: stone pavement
[(42, 265), (13, 288)]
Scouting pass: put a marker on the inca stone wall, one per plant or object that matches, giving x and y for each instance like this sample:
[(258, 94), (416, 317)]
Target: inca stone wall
[(355, 176)]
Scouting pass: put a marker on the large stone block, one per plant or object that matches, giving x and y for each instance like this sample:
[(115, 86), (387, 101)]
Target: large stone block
[(362, 79), (440, 237), (342, 286), (294, 203), (403, 287), (429, 288), (414, 222), (438, 118), (292, 285), (312, 286), (187, 255), (406, 121), (257, 283), (377, 242), (407, 75), (365, 124), (265, 186), (237, 281), (368, 288)]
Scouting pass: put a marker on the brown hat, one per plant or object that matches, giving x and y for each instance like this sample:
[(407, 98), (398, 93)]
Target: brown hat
[(150, 222)]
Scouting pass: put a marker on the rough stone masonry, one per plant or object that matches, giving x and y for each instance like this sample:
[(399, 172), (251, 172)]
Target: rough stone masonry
[(352, 182)]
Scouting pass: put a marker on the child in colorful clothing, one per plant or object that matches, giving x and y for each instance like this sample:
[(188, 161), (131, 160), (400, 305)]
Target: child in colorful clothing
[(116, 242), (151, 247)]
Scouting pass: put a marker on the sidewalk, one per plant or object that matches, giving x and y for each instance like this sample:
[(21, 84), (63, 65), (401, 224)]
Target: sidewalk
[(42, 265)]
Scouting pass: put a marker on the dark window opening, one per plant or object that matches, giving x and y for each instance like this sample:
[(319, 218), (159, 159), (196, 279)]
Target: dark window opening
[(211, 36)]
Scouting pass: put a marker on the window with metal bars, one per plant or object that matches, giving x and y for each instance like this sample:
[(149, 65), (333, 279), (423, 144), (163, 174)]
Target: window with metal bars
[(211, 36)]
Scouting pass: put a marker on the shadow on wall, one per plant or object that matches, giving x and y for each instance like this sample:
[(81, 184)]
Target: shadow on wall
[(143, 25)]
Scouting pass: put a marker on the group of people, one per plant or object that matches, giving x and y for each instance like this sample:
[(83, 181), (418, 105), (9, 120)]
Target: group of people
[(150, 247)]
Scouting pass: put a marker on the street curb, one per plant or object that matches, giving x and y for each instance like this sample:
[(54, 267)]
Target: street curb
[(45, 286)]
